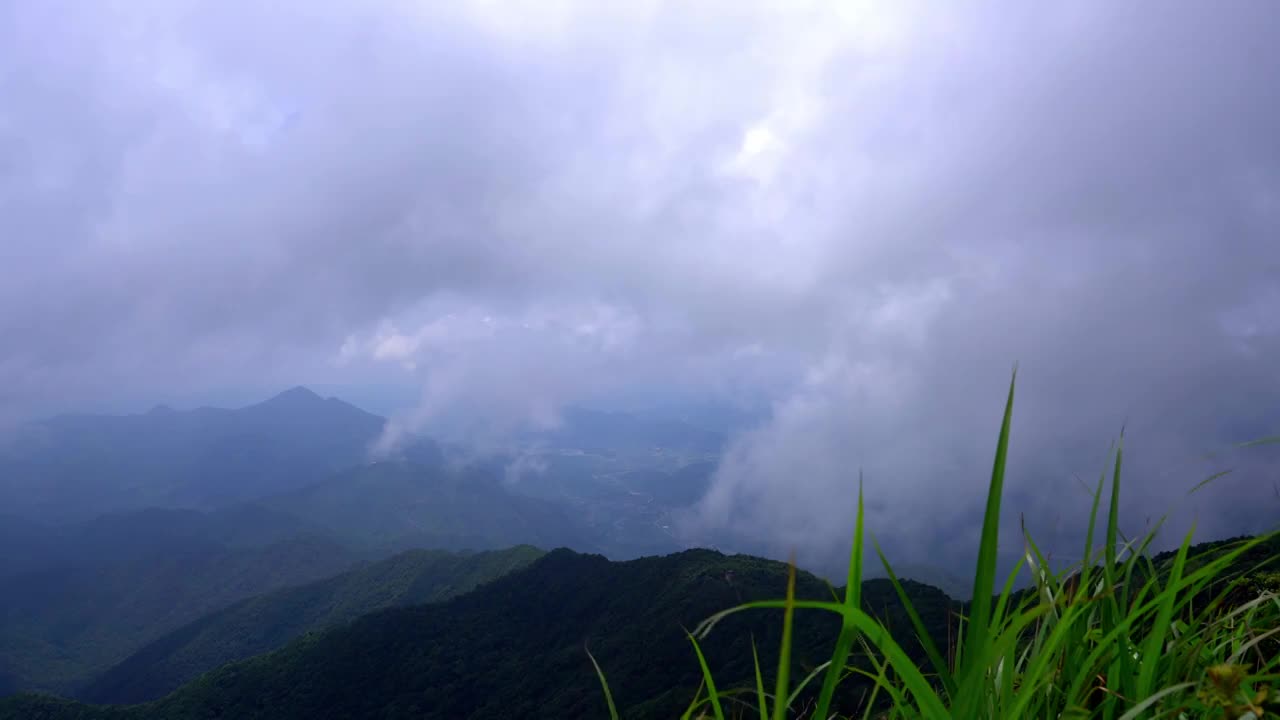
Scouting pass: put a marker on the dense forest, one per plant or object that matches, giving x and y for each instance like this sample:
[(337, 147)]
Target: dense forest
[(260, 624), (517, 646)]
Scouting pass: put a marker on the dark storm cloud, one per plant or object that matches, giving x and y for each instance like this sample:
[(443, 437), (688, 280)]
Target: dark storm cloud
[(866, 212)]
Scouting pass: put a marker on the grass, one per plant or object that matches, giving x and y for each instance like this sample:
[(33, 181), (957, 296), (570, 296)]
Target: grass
[(1116, 636)]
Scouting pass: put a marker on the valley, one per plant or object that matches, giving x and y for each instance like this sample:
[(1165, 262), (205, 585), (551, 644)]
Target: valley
[(208, 508)]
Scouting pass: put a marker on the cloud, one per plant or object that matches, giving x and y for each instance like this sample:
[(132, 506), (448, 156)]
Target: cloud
[(1092, 204), (864, 212)]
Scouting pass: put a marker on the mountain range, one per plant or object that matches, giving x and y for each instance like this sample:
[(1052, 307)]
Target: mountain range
[(159, 546), (78, 466), (266, 622), (139, 575), (400, 503), (132, 526), (515, 647)]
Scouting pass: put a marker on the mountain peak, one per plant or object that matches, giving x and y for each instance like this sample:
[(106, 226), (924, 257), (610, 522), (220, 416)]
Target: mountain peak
[(298, 392), (295, 396), (303, 401)]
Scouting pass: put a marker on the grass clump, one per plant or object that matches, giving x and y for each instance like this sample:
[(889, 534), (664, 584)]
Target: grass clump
[(1119, 635)]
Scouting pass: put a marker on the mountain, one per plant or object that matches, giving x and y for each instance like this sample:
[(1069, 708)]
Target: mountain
[(515, 647), (119, 536), (402, 504), (75, 466), (594, 430), (934, 575), (108, 586), (267, 622), (36, 539)]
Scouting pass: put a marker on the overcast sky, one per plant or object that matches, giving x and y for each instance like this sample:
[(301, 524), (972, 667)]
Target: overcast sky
[(861, 213)]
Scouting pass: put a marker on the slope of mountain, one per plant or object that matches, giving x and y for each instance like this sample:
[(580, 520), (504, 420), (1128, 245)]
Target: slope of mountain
[(936, 576), (113, 585), (36, 540), (401, 504), (120, 536), (514, 647), (267, 622), (75, 466)]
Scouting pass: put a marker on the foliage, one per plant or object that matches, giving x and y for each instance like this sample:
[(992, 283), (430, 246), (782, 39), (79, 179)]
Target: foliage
[(267, 622), (62, 625), (514, 647), (1119, 635)]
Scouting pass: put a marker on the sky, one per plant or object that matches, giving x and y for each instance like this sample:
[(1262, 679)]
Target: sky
[(859, 215)]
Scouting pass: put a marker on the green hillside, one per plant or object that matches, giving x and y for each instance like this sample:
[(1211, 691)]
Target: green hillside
[(267, 622), (61, 626), (515, 647)]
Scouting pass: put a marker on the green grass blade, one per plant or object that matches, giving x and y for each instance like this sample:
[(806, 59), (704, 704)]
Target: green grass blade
[(1113, 610), (1208, 480), (712, 695), (760, 697), (1273, 440), (799, 688), (604, 684), (853, 599), (1113, 635), (1048, 585), (1113, 516), (853, 588), (930, 704), (1006, 593), (881, 681), (784, 652), (975, 655), (1137, 710), (1086, 565), (694, 704), (1245, 648), (1154, 646), (926, 641)]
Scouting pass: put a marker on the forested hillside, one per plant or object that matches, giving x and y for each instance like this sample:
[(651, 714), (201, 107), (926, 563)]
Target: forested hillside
[(515, 647), (267, 622)]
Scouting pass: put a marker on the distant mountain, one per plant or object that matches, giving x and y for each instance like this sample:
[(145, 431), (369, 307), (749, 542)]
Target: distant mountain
[(36, 540), (267, 622), (76, 466), (106, 587), (514, 647), (594, 430), (401, 504), (949, 582), (125, 536)]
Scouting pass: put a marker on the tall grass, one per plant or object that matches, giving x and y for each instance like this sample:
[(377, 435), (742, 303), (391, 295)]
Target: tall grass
[(1116, 636)]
